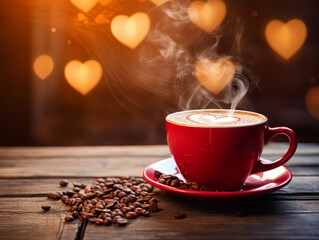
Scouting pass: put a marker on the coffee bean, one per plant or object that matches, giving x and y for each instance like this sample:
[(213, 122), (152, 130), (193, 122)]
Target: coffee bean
[(175, 183), (70, 193), (46, 207), (92, 219), (138, 210), (121, 221), (75, 214), (131, 215), (162, 181), (90, 195), (124, 200), (76, 184), (120, 214), (109, 198), (153, 207), (64, 199), (98, 221), (63, 182), (153, 200), (83, 196), (166, 176), (53, 196), (73, 208), (99, 206), (125, 209), (179, 215), (146, 213), (69, 218), (107, 221), (136, 204), (84, 215), (158, 173), (76, 189), (131, 197), (147, 198), (194, 185), (145, 205), (121, 194), (100, 180), (168, 182)]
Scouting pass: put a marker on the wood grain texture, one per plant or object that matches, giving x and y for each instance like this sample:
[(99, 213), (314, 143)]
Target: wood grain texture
[(308, 185), (23, 218), (266, 219), (28, 174), (83, 166), (149, 150)]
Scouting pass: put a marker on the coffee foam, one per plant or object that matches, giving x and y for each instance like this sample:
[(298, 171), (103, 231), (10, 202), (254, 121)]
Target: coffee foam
[(216, 118)]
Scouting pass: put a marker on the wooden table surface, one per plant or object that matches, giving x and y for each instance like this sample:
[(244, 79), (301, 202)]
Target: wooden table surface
[(28, 174)]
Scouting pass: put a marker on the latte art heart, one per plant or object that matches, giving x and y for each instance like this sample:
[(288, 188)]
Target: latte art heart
[(215, 118), (208, 119)]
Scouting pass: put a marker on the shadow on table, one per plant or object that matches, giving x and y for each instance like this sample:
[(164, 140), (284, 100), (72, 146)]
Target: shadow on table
[(257, 206)]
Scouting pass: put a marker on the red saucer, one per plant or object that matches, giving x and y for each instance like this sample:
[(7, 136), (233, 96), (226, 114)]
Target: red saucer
[(256, 185)]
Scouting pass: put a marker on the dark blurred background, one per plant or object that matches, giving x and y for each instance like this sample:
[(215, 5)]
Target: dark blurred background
[(119, 111)]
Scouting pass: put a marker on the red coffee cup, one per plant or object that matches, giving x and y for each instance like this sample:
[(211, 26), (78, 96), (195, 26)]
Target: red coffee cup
[(222, 157)]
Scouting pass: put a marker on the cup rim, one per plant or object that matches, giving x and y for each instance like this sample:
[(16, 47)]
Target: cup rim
[(221, 126)]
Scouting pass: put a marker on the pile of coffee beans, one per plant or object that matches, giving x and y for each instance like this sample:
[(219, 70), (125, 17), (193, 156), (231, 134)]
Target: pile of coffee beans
[(108, 200), (173, 181)]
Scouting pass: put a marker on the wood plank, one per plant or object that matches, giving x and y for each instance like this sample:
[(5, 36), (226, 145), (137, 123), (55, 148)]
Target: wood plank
[(74, 167), (266, 220), (92, 151), (149, 150), (306, 185), (103, 166), (23, 218)]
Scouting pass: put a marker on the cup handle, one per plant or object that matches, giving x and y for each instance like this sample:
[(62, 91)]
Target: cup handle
[(262, 165)]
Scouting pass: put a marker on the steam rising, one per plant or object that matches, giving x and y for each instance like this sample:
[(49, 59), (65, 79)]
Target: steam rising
[(162, 70), (180, 45)]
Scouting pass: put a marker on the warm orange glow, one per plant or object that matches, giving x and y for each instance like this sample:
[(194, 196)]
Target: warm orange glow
[(130, 31), (53, 29), (68, 42), (43, 66), (81, 17), (207, 16), (105, 2), (83, 77), (158, 2), (102, 19), (84, 5), (214, 75), (286, 38), (312, 101)]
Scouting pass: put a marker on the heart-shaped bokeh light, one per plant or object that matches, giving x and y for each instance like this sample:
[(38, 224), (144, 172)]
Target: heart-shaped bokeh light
[(84, 5), (286, 38), (130, 31), (214, 75), (43, 66), (83, 77), (207, 15)]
